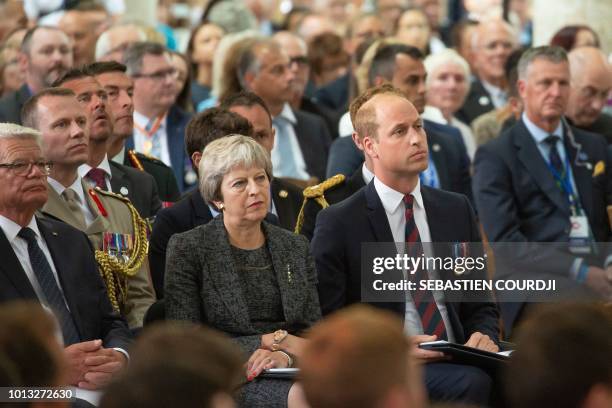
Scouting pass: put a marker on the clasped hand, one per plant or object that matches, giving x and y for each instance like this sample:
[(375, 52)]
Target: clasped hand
[(91, 366)]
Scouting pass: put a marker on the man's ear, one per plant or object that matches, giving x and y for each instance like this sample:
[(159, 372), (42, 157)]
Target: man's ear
[(369, 147), (273, 135), (195, 158), (378, 81), (357, 140), (521, 84), (24, 62)]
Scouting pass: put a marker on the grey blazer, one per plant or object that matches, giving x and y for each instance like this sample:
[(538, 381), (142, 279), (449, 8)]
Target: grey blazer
[(201, 282)]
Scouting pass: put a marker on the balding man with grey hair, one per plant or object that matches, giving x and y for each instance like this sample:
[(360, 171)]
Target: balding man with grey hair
[(591, 82), (492, 43), (545, 181), (37, 266), (113, 42), (302, 139)]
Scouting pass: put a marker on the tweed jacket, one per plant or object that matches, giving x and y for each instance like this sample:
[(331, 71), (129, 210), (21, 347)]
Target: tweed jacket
[(202, 283)]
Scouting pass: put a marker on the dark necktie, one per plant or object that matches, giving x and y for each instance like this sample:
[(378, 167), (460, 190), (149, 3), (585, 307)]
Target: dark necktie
[(553, 156), (97, 176), (48, 284), (424, 301)]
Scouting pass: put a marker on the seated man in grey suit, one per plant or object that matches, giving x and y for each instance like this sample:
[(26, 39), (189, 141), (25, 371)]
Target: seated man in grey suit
[(36, 265)]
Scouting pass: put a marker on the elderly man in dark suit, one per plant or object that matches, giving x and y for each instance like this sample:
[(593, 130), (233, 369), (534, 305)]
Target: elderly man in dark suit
[(37, 266), (46, 54), (542, 178), (302, 139), (396, 207), (492, 44)]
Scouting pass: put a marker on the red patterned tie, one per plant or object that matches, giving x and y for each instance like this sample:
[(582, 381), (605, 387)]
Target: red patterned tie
[(431, 319), (97, 176)]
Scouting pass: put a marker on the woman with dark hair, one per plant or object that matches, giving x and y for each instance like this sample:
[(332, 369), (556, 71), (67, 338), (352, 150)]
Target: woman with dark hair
[(183, 80), (200, 51), (574, 36)]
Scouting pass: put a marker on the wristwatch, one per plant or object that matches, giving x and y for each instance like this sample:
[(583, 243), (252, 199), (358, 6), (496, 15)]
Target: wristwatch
[(277, 338)]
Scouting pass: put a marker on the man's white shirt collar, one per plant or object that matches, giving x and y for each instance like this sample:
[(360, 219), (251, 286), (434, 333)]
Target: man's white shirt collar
[(11, 228), (76, 186), (391, 199), (104, 165)]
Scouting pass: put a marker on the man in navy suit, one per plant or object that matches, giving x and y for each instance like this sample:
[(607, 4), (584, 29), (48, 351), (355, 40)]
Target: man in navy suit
[(302, 139), (392, 134), (36, 265), (159, 125), (542, 177)]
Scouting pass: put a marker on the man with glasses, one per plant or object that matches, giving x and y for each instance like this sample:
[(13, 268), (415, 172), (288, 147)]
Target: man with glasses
[(492, 44), (302, 139), (591, 82), (37, 266), (109, 220), (296, 49), (159, 124)]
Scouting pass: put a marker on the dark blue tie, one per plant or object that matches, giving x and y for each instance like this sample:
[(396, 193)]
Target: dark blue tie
[(553, 155), (49, 286)]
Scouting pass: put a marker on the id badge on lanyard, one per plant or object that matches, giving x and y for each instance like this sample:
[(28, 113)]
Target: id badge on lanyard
[(580, 242)]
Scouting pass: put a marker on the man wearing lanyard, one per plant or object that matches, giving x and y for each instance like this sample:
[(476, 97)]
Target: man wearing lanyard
[(544, 181)]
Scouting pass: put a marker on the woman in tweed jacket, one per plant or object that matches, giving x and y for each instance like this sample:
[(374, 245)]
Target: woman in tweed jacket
[(241, 275)]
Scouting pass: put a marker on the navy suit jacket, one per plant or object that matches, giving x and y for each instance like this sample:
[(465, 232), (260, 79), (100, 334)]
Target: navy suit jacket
[(314, 140), (477, 102), (518, 201), (181, 162), (447, 151), (342, 228), (79, 279), (11, 104), (334, 95), (141, 188)]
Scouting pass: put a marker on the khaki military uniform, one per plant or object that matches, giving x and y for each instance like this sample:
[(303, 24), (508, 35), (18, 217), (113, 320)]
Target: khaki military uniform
[(118, 219)]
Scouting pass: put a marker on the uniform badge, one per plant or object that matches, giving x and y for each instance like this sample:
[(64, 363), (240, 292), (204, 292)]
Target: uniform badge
[(191, 177), (435, 147), (123, 191), (484, 100), (283, 194), (600, 167)]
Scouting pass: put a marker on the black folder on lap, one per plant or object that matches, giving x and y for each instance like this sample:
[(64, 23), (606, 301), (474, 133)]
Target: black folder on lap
[(461, 354)]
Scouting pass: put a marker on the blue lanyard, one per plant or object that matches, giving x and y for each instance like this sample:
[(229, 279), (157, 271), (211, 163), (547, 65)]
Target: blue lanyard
[(566, 183)]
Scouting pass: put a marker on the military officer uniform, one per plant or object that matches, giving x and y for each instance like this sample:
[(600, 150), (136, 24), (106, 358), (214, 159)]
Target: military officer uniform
[(115, 228), (164, 176)]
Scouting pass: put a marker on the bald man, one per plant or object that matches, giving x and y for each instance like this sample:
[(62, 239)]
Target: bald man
[(492, 43), (591, 82)]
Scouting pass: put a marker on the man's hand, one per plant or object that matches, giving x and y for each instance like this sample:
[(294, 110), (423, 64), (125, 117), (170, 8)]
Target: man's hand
[(482, 342), (76, 354), (600, 281), (101, 367), (425, 356)]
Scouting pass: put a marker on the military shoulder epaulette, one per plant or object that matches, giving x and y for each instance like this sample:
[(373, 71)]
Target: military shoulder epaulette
[(319, 189), (98, 190), (318, 194), (149, 158)]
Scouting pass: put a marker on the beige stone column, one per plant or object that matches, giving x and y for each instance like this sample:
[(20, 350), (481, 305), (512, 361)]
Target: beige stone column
[(141, 10), (550, 15)]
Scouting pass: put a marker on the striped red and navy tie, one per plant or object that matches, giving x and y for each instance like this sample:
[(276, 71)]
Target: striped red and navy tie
[(424, 302)]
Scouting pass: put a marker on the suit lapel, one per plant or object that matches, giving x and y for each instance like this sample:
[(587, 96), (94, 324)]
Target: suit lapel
[(435, 217), (582, 176), (119, 180), (283, 268), (175, 145), (11, 267), (68, 276), (437, 155), (223, 274), (531, 158), (377, 216), (280, 203)]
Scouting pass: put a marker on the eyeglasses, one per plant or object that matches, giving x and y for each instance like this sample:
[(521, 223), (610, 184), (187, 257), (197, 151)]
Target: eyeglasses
[(159, 75), (21, 168)]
